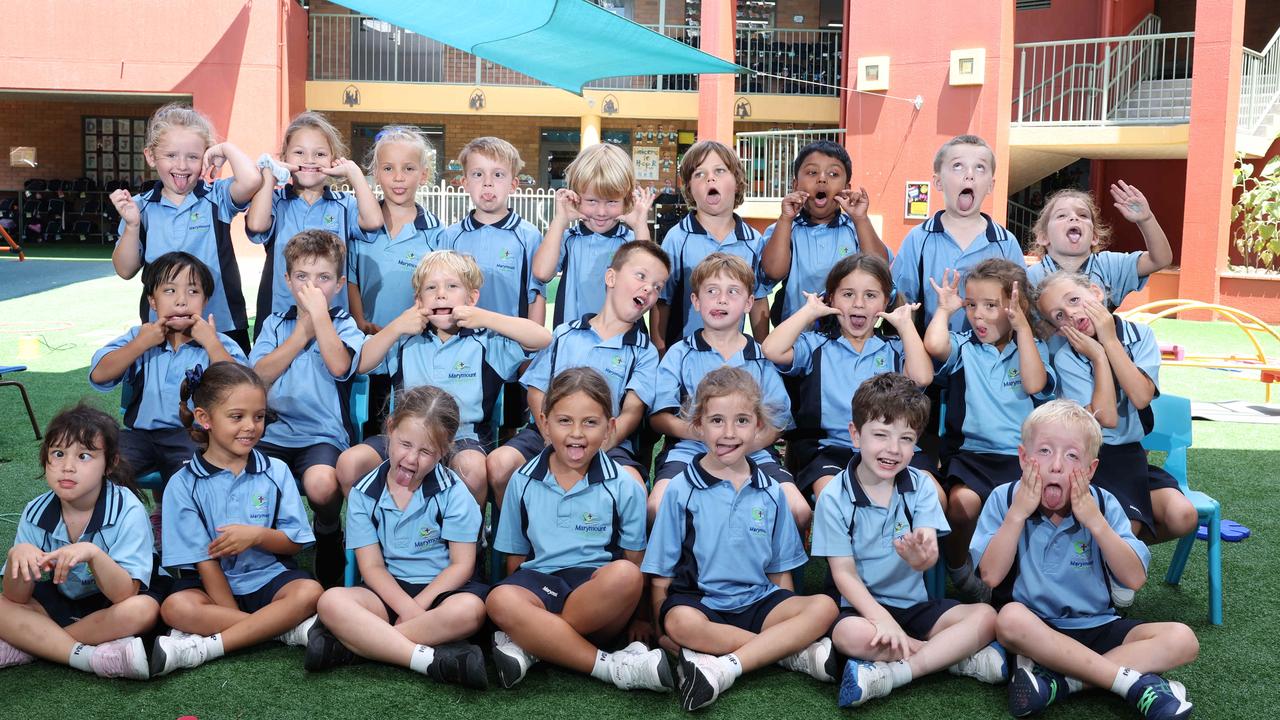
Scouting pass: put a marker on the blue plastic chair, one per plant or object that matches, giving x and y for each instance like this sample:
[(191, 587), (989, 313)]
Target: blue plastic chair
[(358, 410), (1172, 434), (9, 369), (151, 480)]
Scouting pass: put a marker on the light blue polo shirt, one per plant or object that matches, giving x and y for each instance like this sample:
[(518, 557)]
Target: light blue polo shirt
[(591, 525), (689, 360), (334, 211), (815, 249), (722, 543), (847, 523), (627, 361), (382, 266), (414, 541), (929, 249), (688, 244), (471, 366), (155, 379), (118, 525), (504, 252), (1062, 577), (1115, 272), (1075, 372), (584, 258), (201, 226), (833, 370), (307, 398), (202, 497), (986, 400)]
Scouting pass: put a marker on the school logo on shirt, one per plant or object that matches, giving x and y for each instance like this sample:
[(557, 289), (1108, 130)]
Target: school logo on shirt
[(1083, 558), (758, 522), (461, 371), (880, 362), (899, 528), (1012, 377), (197, 221), (426, 536), (258, 508), (330, 220), (591, 524), (615, 366), (505, 260), (845, 250)]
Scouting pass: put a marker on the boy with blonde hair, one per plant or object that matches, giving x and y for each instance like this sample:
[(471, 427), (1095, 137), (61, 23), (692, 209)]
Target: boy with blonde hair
[(1060, 540)]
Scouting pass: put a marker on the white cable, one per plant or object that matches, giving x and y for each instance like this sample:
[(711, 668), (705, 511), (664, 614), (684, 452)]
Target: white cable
[(917, 101)]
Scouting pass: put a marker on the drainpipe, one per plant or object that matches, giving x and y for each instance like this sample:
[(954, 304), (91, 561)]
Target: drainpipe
[(282, 112)]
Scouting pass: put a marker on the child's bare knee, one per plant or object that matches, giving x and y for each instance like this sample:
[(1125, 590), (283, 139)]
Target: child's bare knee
[(682, 623)]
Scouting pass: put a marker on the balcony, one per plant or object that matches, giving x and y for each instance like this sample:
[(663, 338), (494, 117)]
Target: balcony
[(358, 48)]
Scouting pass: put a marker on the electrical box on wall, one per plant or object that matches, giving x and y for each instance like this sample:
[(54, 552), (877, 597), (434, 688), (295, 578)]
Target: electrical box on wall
[(967, 66), (873, 72)]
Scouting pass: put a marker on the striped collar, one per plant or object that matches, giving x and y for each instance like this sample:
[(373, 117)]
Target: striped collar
[(690, 224), (600, 470), (202, 468), (635, 336), (934, 225), (619, 230), (375, 483), (291, 192), (508, 222), (106, 510), (750, 351), (156, 193), (423, 220), (841, 218), (292, 313), (703, 480), (902, 482)]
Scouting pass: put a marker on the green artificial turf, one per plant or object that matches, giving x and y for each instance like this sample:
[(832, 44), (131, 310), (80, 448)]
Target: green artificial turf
[(1235, 463)]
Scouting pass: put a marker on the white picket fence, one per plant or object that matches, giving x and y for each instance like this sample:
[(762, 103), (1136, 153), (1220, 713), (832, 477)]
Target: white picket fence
[(451, 204)]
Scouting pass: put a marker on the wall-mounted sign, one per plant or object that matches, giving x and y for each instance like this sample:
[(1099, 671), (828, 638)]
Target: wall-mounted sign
[(646, 160), (917, 203)]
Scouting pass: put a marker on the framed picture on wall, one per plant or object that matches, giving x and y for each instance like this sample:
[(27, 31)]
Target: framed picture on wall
[(140, 127), (90, 126), (917, 200), (108, 161), (139, 162), (90, 161), (106, 177), (107, 126), (124, 144)]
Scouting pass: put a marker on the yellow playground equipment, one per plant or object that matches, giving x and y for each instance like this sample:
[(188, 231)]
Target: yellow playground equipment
[(1268, 368)]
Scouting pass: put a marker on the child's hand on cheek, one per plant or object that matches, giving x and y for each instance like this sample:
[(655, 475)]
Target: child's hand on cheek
[(567, 202), (1082, 343), (1104, 324), (470, 316), (854, 203), (815, 306), (412, 321), (793, 203), (641, 202), (205, 332), (1017, 318), (1026, 501), (344, 168), (1083, 506), (153, 333)]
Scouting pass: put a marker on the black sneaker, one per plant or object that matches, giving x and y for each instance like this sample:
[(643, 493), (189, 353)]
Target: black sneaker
[(325, 650), (1156, 698), (459, 663), (1031, 690), (331, 559)]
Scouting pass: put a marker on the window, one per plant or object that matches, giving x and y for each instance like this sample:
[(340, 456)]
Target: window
[(362, 138)]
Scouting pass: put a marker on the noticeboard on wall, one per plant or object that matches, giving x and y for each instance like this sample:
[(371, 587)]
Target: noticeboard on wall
[(113, 149)]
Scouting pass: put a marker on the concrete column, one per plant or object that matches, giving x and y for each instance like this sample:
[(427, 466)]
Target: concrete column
[(715, 92), (590, 131), (1215, 102)]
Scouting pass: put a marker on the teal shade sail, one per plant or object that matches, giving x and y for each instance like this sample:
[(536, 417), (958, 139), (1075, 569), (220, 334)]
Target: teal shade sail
[(564, 43)]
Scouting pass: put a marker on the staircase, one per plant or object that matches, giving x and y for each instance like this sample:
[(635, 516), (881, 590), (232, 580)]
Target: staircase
[(1156, 102)]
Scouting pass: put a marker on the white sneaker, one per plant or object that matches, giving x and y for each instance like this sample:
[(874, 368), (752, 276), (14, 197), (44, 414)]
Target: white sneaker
[(989, 665), (123, 658), (702, 679), (11, 656), (635, 648), (176, 633), (297, 637), (1121, 596), (510, 659), (175, 653), (863, 681), (649, 670), (811, 661)]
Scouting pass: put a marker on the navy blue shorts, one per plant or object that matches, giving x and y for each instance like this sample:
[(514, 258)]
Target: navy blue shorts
[(917, 620), (553, 589), (1123, 471), (379, 445), (471, 587), (163, 451), (250, 602), (750, 618), (301, 459), (981, 472), (528, 442), (68, 611), (1103, 638)]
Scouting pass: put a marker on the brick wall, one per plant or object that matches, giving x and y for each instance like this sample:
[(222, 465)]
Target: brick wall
[(55, 129)]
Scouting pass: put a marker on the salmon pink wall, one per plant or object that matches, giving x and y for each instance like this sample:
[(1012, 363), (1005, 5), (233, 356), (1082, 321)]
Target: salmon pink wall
[(890, 141), (227, 56)]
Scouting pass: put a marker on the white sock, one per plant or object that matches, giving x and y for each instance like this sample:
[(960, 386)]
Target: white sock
[(900, 673), (213, 646), (1074, 685), (1125, 678), (421, 657), (731, 663), (600, 671), (79, 657)]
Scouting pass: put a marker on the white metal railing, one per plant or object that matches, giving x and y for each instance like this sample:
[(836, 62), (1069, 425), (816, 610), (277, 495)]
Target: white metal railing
[(364, 48), (1105, 81), (767, 156), (1020, 220), (451, 204), (1259, 86)]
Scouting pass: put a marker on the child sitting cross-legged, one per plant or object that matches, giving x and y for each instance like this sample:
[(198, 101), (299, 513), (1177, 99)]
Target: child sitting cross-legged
[(877, 522), (721, 554), (1059, 538)]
